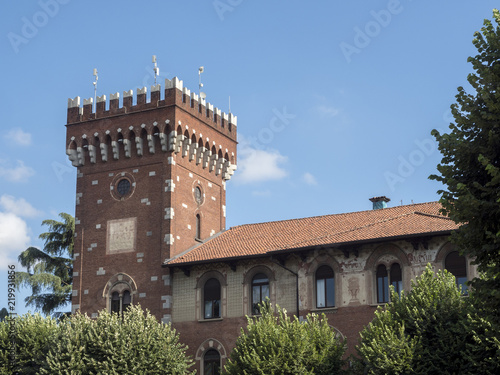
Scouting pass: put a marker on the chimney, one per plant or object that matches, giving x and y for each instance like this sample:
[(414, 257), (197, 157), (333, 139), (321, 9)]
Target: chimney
[(379, 202)]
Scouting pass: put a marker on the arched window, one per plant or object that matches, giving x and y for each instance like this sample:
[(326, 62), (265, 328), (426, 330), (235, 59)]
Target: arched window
[(126, 300), (396, 278), (382, 284), (325, 287), (211, 362), (260, 291), (198, 226), (120, 302), (457, 265), (211, 296)]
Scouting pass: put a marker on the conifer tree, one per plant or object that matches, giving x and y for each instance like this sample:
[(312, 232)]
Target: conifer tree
[(470, 167)]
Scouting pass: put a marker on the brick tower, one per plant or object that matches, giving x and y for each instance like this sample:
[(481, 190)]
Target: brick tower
[(151, 184)]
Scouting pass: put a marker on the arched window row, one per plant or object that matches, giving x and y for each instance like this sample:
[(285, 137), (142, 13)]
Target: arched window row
[(325, 285)]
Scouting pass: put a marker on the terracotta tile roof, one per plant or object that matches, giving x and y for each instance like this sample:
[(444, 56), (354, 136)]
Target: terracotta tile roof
[(355, 227)]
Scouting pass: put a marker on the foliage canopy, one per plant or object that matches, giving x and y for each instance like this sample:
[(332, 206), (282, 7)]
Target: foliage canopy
[(112, 344), (470, 167), (50, 271), (432, 329), (278, 344)]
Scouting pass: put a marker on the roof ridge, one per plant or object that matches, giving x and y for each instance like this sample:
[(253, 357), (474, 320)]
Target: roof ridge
[(330, 215), (432, 215), (354, 229)]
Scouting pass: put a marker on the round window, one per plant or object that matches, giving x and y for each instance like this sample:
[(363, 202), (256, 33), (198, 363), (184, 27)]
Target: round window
[(123, 187)]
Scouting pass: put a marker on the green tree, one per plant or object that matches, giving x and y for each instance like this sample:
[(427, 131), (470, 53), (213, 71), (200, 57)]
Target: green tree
[(278, 344), (50, 271), (432, 329), (31, 337), (113, 344), (470, 167)]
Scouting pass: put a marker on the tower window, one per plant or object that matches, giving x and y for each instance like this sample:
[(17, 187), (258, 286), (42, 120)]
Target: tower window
[(260, 291), (457, 265), (120, 302), (325, 287), (211, 292), (198, 195), (198, 226), (123, 187)]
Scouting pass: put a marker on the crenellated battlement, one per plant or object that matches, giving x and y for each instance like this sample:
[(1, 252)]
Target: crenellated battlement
[(174, 94), (104, 133)]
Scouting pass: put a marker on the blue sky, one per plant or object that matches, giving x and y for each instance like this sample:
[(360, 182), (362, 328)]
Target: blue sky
[(335, 100)]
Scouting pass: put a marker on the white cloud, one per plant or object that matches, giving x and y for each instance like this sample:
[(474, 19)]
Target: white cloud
[(309, 179), (328, 111), (19, 207), (14, 238), (19, 173), (260, 165), (18, 136)]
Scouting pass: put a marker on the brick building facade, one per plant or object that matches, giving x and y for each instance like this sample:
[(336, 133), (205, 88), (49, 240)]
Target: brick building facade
[(150, 229)]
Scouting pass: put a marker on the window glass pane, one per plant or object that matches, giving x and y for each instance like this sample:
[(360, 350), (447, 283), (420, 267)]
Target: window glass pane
[(386, 290), (198, 226), (320, 293), (255, 299), (265, 292), (396, 274), (212, 289), (208, 309), (382, 285), (126, 300), (259, 279), (260, 291), (216, 308), (324, 272), (380, 289), (115, 302), (398, 286), (330, 292), (126, 297), (396, 278), (461, 281), (456, 264)]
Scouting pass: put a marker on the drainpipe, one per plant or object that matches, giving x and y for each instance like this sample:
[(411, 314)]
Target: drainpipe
[(296, 282)]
